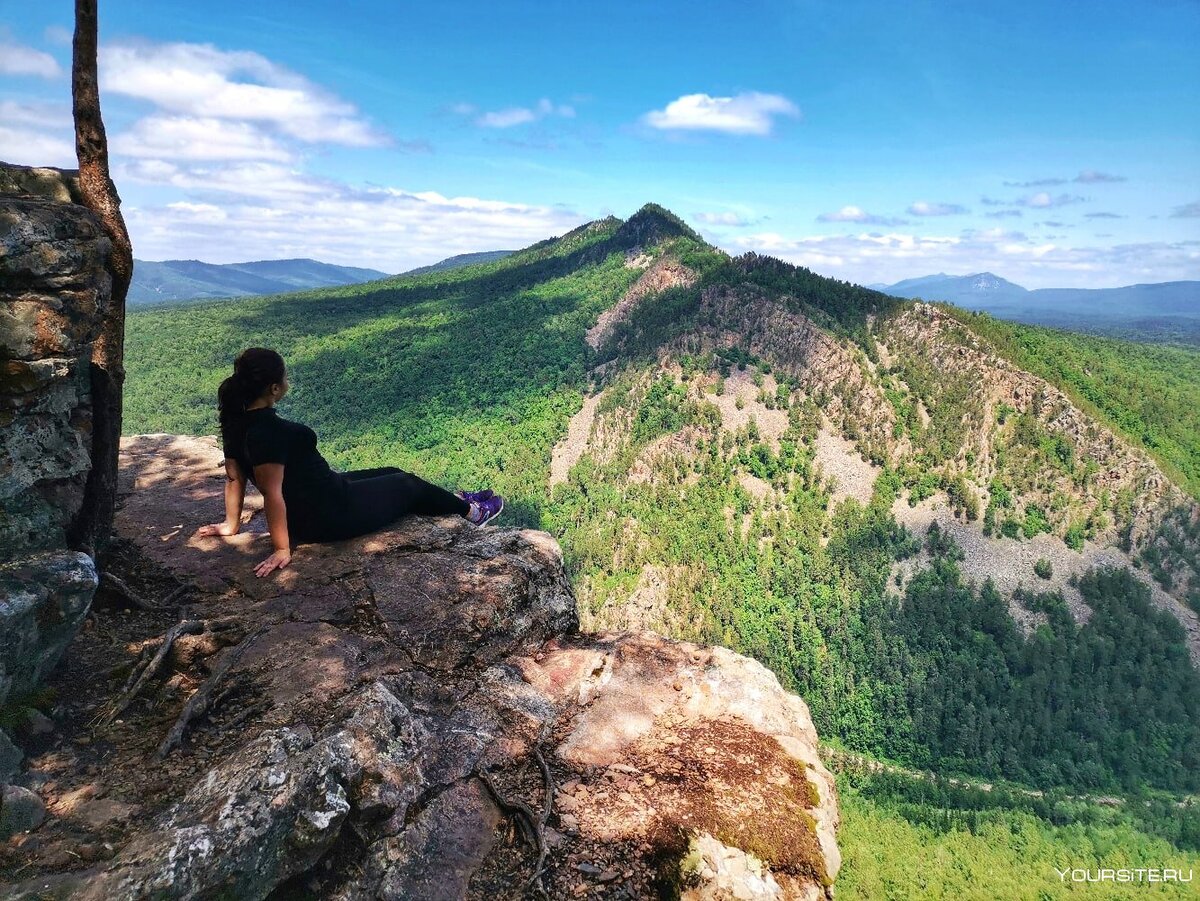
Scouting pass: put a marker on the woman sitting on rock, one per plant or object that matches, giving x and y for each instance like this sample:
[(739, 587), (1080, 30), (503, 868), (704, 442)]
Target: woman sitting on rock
[(305, 500)]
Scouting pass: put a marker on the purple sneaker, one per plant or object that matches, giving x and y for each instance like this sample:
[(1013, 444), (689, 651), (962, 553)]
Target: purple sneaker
[(489, 508), (475, 496)]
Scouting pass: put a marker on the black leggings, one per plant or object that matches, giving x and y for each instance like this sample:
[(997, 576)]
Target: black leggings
[(378, 497)]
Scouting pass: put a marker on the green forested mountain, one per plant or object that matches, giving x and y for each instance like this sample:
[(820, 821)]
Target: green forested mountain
[(188, 279), (970, 545), (459, 260)]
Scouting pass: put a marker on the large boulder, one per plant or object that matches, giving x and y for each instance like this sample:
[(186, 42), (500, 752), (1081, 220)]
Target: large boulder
[(20, 810), (436, 727), (54, 290), (43, 600)]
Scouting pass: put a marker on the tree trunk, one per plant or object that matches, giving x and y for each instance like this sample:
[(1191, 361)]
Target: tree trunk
[(92, 529)]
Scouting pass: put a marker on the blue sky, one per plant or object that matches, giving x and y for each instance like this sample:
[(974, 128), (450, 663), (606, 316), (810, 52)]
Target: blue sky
[(1055, 144)]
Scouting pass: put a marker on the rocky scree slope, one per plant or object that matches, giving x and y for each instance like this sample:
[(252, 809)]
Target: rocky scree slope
[(413, 714)]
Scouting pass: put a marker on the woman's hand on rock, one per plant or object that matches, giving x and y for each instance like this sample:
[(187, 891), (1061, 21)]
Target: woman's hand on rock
[(277, 560), (218, 528)]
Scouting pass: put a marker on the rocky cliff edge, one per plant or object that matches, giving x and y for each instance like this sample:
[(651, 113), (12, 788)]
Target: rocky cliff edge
[(414, 714)]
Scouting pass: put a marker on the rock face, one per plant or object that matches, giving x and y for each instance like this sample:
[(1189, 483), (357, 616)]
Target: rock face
[(42, 601), (434, 726), (665, 273), (54, 288), (932, 401), (925, 333), (1158, 520), (823, 367)]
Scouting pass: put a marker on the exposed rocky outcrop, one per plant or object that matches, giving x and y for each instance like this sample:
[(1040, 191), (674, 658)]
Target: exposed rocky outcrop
[(1106, 467), (1009, 564), (923, 332), (665, 273), (59, 185), (432, 725), (54, 288), (935, 402), (832, 371)]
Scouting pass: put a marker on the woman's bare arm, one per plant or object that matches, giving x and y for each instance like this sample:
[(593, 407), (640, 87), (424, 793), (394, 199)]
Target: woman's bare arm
[(269, 479), (235, 497)]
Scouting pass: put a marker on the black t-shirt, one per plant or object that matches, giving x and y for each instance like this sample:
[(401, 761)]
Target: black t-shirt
[(312, 491)]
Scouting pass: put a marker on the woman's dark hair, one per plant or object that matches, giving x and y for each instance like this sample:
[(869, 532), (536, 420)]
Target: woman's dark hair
[(254, 370)]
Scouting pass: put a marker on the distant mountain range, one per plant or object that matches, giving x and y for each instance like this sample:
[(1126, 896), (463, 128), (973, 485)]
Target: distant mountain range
[(1158, 311), (1169, 311), (194, 280)]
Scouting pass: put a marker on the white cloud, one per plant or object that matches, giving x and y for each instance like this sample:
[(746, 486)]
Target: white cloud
[(17, 59), (1086, 177), (750, 113), (262, 210), (1187, 211), (244, 179), (34, 133), (41, 115), (729, 218), (1036, 183), (846, 214), (206, 212), (514, 115), (202, 81), (925, 208), (1092, 177), (859, 215), (27, 147), (546, 108), (215, 168), (1044, 200), (506, 118), (187, 138), (867, 258)]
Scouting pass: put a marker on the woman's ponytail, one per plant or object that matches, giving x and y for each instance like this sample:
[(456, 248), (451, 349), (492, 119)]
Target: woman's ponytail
[(254, 370)]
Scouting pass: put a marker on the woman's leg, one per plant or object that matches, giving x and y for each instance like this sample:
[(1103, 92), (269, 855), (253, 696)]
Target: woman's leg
[(429, 499), (372, 503), (354, 474)]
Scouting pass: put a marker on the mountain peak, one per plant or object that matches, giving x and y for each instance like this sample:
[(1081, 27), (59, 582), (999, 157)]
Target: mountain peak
[(653, 224), (986, 281), (965, 290)]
